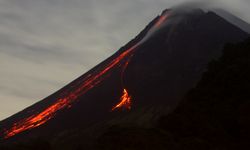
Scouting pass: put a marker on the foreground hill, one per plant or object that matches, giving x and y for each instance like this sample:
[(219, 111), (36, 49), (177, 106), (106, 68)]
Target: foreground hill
[(213, 115)]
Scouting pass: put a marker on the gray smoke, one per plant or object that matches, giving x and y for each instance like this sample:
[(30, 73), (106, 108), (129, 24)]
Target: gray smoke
[(239, 8)]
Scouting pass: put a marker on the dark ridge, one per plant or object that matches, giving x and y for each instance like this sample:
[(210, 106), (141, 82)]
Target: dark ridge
[(215, 114)]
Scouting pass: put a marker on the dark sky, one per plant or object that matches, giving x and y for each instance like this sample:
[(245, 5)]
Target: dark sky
[(45, 44)]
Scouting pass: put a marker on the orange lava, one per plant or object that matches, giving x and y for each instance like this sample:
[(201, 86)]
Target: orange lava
[(125, 101), (42, 117), (66, 101), (161, 20), (35, 121)]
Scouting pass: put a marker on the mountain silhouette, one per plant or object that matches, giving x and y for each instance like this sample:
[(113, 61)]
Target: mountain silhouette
[(143, 80)]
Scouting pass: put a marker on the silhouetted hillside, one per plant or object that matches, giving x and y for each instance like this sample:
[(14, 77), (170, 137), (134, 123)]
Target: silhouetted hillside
[(214, 115)]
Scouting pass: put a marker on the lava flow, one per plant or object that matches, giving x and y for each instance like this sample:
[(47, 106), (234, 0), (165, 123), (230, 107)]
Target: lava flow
[(85, 85), (35, 121), (42, 117), (125, 101), (161, 20)]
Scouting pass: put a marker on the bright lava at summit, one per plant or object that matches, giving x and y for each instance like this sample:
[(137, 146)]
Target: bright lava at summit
[(87, 83)]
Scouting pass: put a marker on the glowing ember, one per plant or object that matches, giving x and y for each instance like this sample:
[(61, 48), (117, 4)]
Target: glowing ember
[(125, 101), (69, 97)]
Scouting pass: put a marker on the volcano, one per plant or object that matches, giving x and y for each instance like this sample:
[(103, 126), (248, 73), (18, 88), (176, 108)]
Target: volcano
[(143, 80)]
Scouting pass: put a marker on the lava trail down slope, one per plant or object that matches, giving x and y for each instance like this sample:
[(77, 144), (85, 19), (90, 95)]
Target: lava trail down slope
[(91, 81)]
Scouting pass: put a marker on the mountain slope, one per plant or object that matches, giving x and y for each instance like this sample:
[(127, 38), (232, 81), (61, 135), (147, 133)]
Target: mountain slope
[(213, 115), (234, 20), (156, 70)]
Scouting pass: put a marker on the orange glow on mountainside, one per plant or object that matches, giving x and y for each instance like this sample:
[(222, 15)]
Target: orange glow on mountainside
[(37, 120), (125, 101), (161, 20), (69, 97), (42, 117)]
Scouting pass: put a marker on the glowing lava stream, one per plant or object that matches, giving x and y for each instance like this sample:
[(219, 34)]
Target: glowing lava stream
[(91, 81), (125, 101)]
